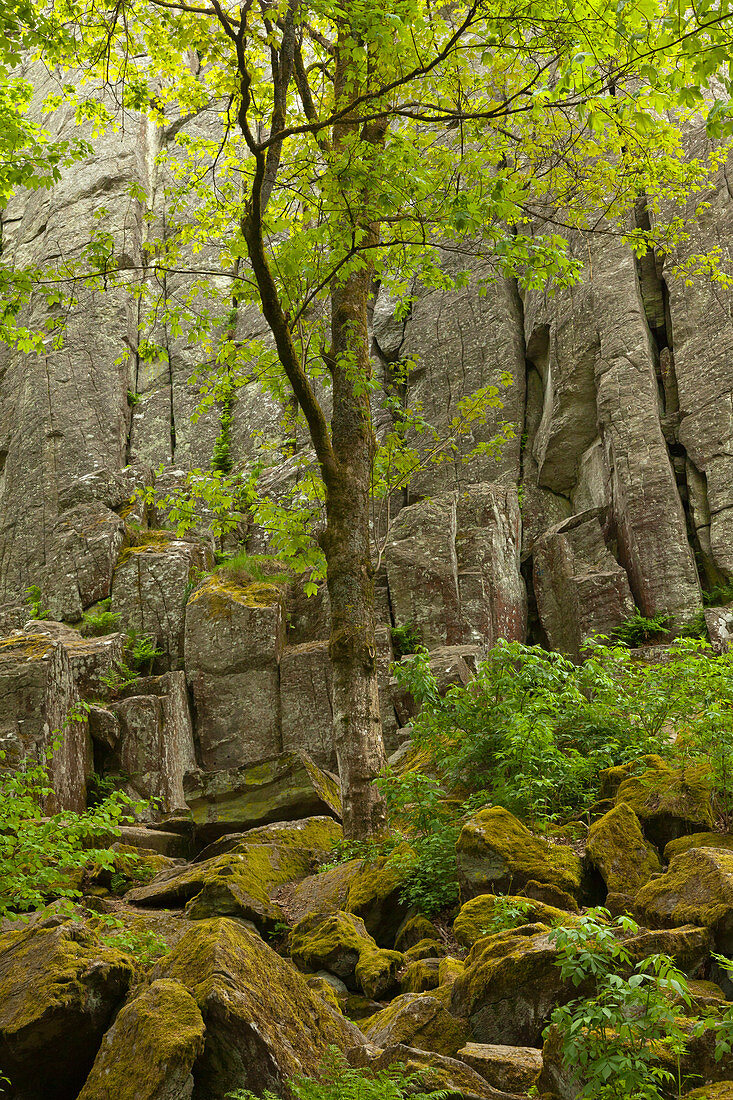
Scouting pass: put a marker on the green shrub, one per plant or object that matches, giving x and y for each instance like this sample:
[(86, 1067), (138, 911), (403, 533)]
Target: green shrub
[(624, 1041), (101, 621), (41, 855), (142, 651), (405, 640), (640, 629), (34, 599)]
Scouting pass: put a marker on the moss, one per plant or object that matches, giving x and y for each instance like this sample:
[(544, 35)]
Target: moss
[(233, 884), (376, 971), (151, 1046), (26, 646), (333, 943), (220, 590), (721, 1090), (324, 989), (426, 949), (697, 840), (138, 542), (374, 895), (495, 851), (420, 976), (696, 889), (450, 968), (475, 918), (419, 1021), (617, 849), (669, 802), (325, 892), (414, 928)]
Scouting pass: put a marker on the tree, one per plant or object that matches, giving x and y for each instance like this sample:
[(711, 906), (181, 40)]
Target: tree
[(367, 140)]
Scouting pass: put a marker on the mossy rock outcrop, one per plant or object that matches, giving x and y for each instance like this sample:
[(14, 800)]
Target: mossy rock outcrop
[(318, 834), (375, 896), (419, 1021), (59, 988), (235, 884), (288, 787), (421, 976), (697, 840), (689, 945), (618, 851), (510, 987), (414, 928), (496, 853), (323, 893), (696, 889), (149, 1051), (722, 1090), (263, 1024), (340, 943), (669, 802), (476, 918)]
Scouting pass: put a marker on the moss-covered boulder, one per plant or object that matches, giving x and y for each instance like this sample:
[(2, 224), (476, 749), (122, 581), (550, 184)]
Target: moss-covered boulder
[(324, 989), (421, 976), (323, 893), (375, 896), (669, 802), (376, 972), (697, 840), (263, 1024), (340, 943), (426, 949), (550, 895), (510, 1069), (59, 988), (419, 1021), (236, 884), (696, 889), (287, 787), (618, 851), (318, 834), (487, 913), (414, 928), (722, 1090), (437, 1072), (497, 853), (689, 945), (510, 987), (149, 1051)]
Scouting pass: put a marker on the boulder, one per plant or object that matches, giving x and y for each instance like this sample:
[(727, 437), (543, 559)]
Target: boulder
[(414, 928), (154, 747), (514, 1069), (93, 659), (454, 1079), (319, 835), (669, 802), (581, 589), (696, 889), (340, 944), (617, 850), (325, 892), (263, 1024), (59, 988), (476, 917), (287, 787), (375, 895), (234, 640), (510, 987), (149, 1051), (417, 1020), (721, 1090), (150, 586), (235, 884), (421, 975), (37, 700), (697, 840), (497, 853)]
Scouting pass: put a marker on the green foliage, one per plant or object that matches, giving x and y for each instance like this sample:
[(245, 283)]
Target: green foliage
[(141, 650), (34, 599), (719, 595), (533, 731), (100, 621), (133, 398), (336, 1080), (638, 629), (506, 914), (624, 1041), (43, 852), (143, 944), (222, 456), (244, 569), (405, 640), (696, 627), (119, 677)]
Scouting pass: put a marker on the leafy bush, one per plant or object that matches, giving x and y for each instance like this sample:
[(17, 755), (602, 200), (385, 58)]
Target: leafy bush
[(620, 1041), (34, 599), (95, 624), (640, 629), (41, 856), (405, 640), (506, 914), (336, 1080), (534, 731)]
